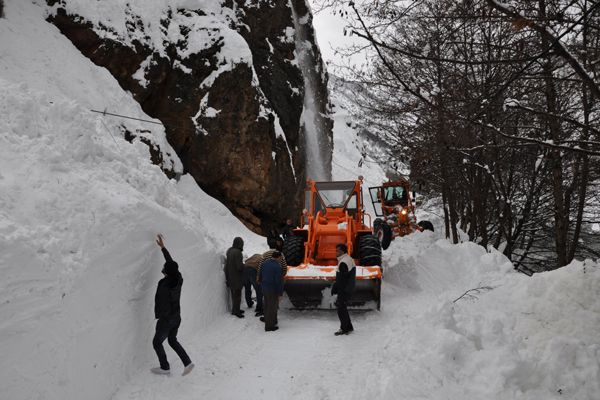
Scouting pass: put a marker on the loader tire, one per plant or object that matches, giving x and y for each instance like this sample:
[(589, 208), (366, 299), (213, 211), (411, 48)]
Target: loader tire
[(369, 250), (426, 225), (384, 235), (293, 250)]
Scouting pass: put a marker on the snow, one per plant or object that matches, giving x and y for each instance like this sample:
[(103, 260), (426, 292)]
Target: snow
[(510, 103), (79, 211)]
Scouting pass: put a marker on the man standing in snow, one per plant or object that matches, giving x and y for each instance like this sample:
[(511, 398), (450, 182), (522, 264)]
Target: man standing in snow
[(250, 281), (268, 255), (343, 287), (274, 240), (288, 228), (234, 275), (271, 281), (167, 311)]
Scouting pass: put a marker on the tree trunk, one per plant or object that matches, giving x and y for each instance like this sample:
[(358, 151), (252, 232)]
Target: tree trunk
[(585, 163), (561, 215)]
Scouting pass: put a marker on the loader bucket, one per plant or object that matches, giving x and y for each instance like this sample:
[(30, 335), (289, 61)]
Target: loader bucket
[(309, 287)]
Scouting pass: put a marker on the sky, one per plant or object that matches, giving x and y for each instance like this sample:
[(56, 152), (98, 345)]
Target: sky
[(329, 29)]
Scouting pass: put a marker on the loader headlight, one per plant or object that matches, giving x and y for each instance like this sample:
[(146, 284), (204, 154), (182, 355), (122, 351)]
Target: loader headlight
[(404, 212)]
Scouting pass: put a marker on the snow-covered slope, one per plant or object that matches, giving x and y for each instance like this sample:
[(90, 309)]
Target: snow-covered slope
[(79, 210)]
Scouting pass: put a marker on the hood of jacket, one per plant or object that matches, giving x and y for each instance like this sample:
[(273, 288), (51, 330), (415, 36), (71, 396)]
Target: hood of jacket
[(238, 243)]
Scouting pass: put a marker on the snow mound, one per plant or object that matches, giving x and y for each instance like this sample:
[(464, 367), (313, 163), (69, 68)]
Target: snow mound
[(477, 329)]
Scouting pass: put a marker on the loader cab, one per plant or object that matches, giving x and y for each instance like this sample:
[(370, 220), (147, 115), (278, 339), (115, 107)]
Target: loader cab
[(395, 195), (330, 197)]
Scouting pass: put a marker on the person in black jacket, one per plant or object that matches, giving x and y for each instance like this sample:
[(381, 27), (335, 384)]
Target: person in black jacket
[(288, 228), (167, 312), (344, 286), (274, 240), (234, 275)]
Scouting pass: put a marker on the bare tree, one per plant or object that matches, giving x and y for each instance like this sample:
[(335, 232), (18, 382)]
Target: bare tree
[(494, 109)]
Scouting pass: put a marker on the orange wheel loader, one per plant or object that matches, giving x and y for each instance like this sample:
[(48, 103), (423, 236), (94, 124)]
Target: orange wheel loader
[(333, 214), (393, 202)]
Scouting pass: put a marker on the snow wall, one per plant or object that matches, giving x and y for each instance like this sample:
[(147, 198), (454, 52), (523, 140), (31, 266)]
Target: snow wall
[(79, 210)]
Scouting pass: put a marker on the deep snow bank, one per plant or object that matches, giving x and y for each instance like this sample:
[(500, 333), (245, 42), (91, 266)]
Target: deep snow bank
[(79, 209), (474, 328)]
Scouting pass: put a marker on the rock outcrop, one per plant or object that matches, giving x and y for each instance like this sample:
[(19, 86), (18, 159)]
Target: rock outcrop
[(224, 80)]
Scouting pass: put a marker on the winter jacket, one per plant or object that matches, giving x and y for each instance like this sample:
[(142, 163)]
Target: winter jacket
[(168, 291), (345, 277), (268, 255), (234, 265), (271, 278), (254, 261)]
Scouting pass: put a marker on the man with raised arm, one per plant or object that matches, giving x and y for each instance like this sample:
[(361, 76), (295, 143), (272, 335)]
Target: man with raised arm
[(167, 311)]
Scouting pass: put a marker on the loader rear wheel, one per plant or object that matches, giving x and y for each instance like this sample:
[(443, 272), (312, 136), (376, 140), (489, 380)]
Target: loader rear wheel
[(426, 225), (369, 250), (293, 250), (384, 235)]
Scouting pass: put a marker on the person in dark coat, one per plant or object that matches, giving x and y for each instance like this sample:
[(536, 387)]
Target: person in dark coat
[(250, 281), (288, 229), (271, 282), (167, 311), (274, 240), (234, 275), (345, 280)]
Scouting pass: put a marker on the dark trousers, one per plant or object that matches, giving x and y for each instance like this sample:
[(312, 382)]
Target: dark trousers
[(271, 305), (249, 283), (167, 328), (342, 311), (236, 300)]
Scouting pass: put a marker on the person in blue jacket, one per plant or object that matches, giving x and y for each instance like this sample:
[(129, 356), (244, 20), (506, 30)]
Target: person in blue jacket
[(271, 282), (167, 311)]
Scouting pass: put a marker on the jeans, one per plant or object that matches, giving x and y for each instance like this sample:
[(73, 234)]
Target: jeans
[(271, 306), (236, 300), (167, 328), (249, 283), (342, 311)]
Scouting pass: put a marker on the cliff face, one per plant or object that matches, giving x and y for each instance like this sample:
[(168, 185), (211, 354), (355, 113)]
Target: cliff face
[(223, 77)]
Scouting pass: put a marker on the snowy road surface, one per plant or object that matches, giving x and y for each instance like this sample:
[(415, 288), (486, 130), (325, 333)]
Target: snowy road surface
[(235, 358), (510, 339), (238, 359)]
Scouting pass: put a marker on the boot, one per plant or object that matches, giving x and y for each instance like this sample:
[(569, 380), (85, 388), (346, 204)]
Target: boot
[(188, 368), (160, 371)]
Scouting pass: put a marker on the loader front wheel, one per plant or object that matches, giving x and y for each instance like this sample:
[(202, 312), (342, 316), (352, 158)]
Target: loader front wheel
[(293, 250), (384, 235), (369, 250)]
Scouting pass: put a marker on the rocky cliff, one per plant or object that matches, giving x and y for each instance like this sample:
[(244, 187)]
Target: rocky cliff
[(223, 77)]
